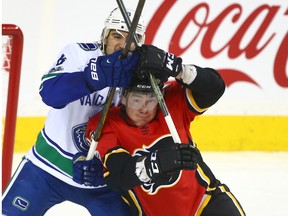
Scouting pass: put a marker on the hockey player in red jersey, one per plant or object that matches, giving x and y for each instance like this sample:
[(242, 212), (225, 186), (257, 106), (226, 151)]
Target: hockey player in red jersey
[(155, 175)]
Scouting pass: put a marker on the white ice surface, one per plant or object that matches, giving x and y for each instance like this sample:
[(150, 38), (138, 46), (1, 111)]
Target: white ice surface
[(257, 179)]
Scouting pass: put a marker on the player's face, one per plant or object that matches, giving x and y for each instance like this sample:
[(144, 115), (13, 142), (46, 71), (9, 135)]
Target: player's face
[(116, 41), (141, 108)]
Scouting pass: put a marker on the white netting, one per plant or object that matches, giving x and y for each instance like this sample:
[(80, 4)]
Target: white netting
[(6, 52), (6, 63)]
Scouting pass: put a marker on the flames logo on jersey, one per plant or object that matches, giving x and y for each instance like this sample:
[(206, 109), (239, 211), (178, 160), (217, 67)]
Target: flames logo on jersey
[(164, 181), (79, 137)]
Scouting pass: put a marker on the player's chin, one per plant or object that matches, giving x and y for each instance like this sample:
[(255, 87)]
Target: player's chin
[(142, 121)]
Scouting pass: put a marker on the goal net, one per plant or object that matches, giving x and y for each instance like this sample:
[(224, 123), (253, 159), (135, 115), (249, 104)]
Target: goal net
[(12, 48), (7, 41)]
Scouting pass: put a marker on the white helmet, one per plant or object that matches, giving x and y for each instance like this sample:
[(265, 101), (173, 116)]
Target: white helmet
[(116, 21)]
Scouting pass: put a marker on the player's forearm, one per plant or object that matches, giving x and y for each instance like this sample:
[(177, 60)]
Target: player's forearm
[(57, 91)]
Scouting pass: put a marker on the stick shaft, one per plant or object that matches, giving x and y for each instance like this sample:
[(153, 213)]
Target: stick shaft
[(128, 21), (104, 112), (165, 110), (155, 87)]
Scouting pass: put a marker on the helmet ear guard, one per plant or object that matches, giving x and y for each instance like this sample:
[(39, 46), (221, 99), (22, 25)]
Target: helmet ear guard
[(116, 21)]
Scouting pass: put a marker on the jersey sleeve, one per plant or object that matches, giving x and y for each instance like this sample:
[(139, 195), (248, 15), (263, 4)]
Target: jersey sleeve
[(64, 82), (121, 169), (188, 103), (205, 90)]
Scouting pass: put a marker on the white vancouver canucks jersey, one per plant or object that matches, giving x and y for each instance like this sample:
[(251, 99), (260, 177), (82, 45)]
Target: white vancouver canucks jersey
[(63, 134)]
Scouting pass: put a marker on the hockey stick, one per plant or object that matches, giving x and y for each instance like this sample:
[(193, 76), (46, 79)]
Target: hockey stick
[(96, 134), (126, 17), (165, 110), (155, 87)]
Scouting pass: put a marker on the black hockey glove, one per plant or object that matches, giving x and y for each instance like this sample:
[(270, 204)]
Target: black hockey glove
[(158, 62), (167, 160)]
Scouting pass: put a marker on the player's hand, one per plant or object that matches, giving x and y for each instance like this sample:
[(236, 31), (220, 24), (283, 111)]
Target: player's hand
[(158, 62), (174, 158), (87, 172), (110, 71)]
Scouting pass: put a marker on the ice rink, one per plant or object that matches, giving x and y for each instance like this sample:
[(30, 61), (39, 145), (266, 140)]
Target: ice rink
[(257, 179)]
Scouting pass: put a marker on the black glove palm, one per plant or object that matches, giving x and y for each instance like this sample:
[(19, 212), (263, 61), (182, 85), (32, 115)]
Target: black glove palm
[(158, 62), (177, 157)]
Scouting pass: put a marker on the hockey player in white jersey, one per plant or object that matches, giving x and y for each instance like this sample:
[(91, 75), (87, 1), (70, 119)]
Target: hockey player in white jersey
[(75, 88)]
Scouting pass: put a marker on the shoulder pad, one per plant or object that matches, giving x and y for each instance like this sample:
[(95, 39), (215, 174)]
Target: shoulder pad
[(88, 46)]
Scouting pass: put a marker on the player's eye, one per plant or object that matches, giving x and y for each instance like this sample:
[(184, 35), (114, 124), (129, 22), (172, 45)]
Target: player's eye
[(118, 37), (136, 101)]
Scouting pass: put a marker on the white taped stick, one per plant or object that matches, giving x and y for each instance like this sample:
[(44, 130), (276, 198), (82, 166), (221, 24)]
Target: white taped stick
[(172, 129), (165, 110), (91, 151)]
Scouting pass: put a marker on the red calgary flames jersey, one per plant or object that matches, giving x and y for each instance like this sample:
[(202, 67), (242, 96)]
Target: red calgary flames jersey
[(186, 191)]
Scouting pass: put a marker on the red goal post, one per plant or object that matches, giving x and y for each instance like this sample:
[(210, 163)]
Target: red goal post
[(12, 51)]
